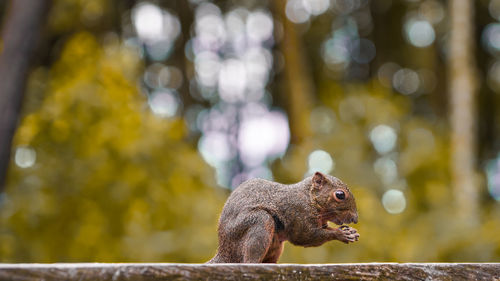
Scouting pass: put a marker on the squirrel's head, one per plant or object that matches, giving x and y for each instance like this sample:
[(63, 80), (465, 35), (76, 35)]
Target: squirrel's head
[(334, 199)]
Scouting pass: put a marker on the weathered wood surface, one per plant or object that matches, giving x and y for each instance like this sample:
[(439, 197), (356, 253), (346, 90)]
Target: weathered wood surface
[(162, 271)]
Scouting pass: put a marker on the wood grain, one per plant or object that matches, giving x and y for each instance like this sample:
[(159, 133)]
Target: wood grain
[(162, 271)]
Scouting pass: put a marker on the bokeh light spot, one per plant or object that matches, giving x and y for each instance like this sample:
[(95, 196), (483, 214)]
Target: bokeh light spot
[(164, 103), (215, 148), (262, 136), (491, 38), (154, 24), (259, 26), (394, 201), (419, 33), (209, 26), (335, 51), (406, 81), (207, 66), (148, 21), (383, 138), (386, 169), (296, 12), (232, 80), (25, 156), (316, 7), (320, 161), (235, 23), (493, 175)]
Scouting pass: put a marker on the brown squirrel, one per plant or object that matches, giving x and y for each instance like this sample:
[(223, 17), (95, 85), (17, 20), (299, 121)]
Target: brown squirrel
[(260, 215)]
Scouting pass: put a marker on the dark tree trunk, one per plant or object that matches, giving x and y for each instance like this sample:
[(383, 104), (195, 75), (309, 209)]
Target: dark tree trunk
[(186, 17), (21, 30)]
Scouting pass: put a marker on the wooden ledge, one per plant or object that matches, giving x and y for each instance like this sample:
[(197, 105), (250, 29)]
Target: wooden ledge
[(172, 271)]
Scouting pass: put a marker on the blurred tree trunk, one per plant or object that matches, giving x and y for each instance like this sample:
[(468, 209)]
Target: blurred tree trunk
[(299, 84), (23, 24), (462, 108), (186, 17)]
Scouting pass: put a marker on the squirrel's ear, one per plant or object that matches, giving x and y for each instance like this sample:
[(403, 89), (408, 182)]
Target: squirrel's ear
[(318, 179)]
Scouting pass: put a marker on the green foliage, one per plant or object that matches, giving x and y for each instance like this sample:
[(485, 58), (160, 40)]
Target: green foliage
[(112, 182)]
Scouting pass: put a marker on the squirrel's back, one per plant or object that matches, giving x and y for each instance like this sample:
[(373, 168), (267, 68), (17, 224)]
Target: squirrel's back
[(251, 194), (256, 189)]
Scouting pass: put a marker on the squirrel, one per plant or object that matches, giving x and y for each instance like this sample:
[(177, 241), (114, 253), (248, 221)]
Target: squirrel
[(260, 215)]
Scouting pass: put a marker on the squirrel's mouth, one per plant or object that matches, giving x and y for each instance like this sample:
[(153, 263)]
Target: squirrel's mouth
[(340, 219), (347, 220)]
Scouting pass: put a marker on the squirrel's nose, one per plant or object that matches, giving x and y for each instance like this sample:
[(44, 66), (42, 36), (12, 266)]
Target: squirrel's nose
[(354, 218)]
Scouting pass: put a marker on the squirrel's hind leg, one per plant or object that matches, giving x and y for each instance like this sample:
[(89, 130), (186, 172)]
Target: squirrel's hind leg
[(274, 252), (259, 236)]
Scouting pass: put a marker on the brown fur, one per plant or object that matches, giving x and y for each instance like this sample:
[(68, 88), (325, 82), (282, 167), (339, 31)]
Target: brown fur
[(260, 215)]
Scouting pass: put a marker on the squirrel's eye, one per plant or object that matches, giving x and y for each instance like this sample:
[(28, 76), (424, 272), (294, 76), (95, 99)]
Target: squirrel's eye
[(340, 194)]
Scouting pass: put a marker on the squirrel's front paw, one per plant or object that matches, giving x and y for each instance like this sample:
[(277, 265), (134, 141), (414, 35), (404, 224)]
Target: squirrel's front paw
[(348, 234)]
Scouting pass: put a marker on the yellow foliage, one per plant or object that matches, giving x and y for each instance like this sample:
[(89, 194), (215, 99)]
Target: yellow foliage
[(112, 182)]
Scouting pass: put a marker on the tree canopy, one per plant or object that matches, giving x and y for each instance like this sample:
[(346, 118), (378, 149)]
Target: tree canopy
[(139, 118)]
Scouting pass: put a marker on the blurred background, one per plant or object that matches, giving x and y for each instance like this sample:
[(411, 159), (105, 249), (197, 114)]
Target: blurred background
[(126, 124)]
